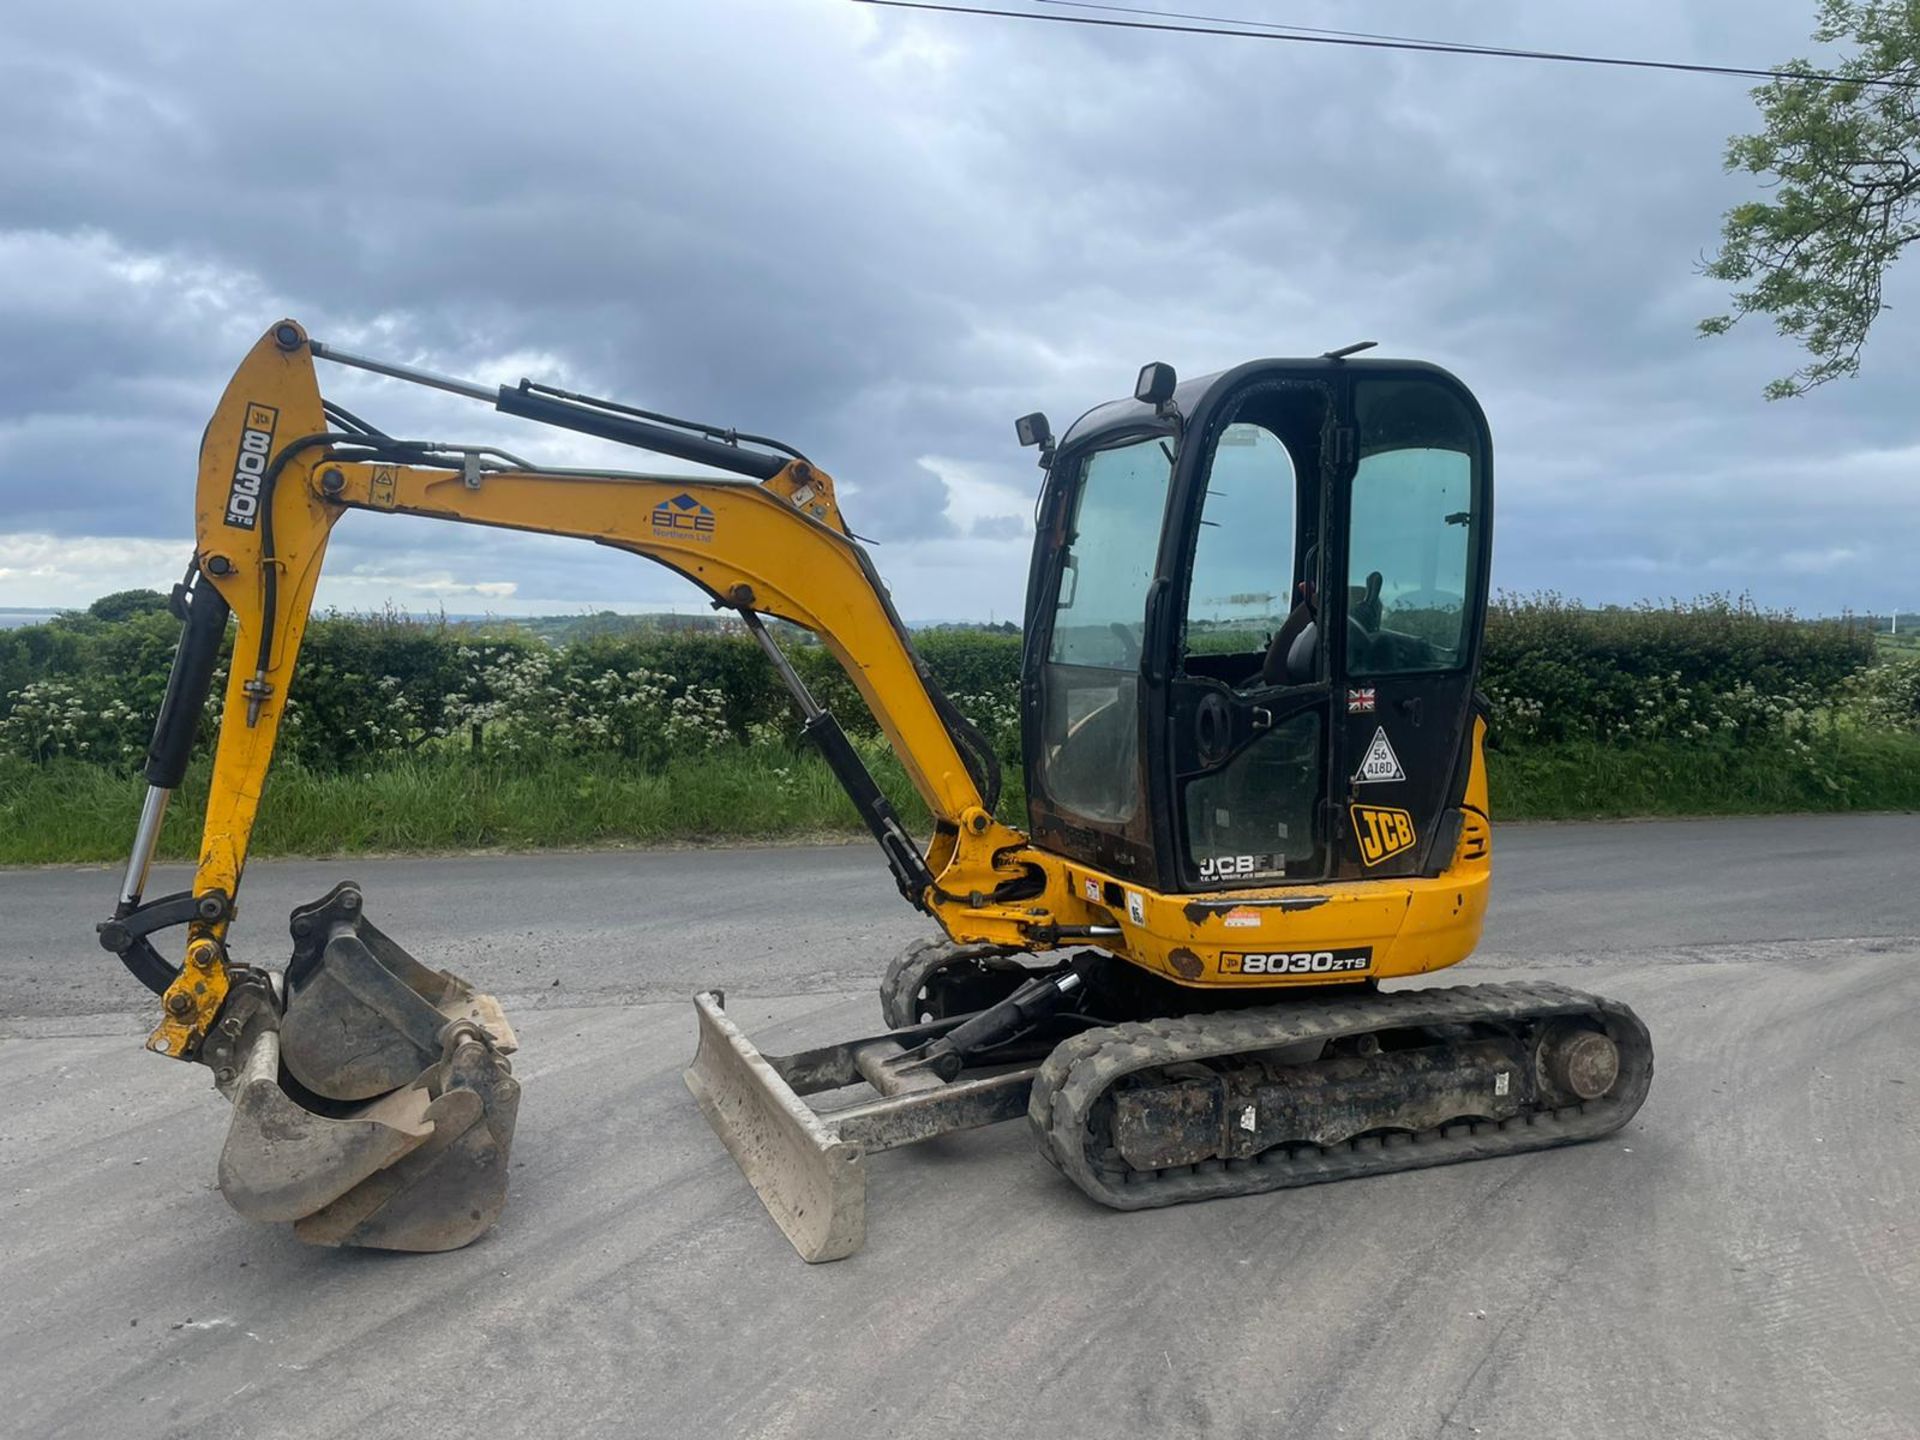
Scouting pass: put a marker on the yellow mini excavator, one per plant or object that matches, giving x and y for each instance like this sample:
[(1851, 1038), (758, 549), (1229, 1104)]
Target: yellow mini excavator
[(1255, 791)]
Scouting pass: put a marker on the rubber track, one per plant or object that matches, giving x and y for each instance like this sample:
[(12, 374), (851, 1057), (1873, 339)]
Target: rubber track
[(1082, 1069), (914, 966)]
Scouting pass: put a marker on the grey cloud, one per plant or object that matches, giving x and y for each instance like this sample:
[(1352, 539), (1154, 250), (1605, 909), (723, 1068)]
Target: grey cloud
[(882, 237), (1002, 527)]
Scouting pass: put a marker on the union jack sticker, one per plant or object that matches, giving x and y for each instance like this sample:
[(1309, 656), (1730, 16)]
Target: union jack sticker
[(1360, 700)]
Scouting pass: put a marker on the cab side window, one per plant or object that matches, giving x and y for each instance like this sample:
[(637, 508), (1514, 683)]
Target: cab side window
[(1090, 720), (1239, 595), (1410, 551)]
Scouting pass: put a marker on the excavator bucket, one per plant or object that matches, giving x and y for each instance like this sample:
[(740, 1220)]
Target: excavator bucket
[(373, 1104)]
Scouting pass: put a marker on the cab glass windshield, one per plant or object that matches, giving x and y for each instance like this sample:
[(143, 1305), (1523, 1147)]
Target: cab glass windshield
[(1090, 721)]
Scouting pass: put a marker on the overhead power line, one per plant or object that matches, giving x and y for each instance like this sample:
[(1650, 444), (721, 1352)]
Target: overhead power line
[(1250, 24), (1302, 35)]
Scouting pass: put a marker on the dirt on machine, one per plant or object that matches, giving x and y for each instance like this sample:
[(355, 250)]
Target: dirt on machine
[(1256, 799)]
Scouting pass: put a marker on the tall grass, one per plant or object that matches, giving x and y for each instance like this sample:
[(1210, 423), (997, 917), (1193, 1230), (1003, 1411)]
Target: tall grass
[(73, 812), (69, 811), (1847, 770)]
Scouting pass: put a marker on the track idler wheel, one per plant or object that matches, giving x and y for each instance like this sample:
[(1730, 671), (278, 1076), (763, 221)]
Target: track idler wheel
[(1580, 1062), (376, 1108), (934, 979)]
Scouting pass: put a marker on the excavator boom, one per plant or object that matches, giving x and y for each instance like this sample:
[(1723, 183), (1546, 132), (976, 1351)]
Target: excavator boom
[(320, 1134)]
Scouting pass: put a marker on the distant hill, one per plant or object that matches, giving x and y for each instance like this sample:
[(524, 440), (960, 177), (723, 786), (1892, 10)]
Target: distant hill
[(565, 629)]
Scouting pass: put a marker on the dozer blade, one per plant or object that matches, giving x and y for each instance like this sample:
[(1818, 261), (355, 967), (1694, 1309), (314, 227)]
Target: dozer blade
[(809, 1166), (813, 1183), (391, 1128)]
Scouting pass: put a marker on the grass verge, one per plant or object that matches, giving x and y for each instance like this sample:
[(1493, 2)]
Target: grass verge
[(1842, 769), (72, 812)]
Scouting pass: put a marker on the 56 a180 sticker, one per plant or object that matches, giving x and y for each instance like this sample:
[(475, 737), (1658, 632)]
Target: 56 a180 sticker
[(1379, 765), (1355, 961)]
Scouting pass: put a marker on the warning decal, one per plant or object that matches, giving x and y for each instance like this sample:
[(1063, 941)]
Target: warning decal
[(1381, 763)]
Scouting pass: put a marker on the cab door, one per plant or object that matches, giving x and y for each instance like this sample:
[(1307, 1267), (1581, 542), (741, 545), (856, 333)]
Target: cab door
[(1249, 723), (1414, 563), (1084, 688)]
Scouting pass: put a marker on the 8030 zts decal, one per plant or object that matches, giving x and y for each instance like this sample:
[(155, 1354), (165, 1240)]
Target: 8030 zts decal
[(1298, 962), (256, 444)]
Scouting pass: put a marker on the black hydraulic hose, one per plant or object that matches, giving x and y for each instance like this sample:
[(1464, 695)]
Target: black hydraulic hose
[(270, 572), (340, 415), (975, 751)]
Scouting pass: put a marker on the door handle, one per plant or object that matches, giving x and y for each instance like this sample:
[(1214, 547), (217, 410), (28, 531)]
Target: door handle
[(1414, 708), (1152, 658)]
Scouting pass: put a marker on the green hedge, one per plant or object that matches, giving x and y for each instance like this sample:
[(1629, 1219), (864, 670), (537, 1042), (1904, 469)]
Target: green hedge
[(370, 687), (644, 734), (1558, 671)]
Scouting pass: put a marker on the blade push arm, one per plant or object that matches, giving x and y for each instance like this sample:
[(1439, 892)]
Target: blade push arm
[(279, 467)]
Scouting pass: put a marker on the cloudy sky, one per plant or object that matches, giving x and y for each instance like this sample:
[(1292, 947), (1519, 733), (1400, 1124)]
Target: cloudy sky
[(882, 235)]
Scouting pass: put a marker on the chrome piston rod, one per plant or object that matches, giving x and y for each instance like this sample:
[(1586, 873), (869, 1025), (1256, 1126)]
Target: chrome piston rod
[(146, 839), (488, 393)]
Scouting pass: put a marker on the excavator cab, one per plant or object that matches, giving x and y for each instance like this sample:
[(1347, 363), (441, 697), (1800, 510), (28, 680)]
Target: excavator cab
[(1255, 615)]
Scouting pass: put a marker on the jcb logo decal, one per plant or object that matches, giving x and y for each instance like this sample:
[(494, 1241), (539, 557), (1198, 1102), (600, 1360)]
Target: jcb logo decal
[(1383, 833), (256, 446)]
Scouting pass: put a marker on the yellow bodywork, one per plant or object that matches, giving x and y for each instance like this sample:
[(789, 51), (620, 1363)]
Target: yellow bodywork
[(780, 548), (1411, 925)]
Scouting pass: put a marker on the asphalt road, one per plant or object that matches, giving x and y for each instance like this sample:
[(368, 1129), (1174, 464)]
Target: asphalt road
[(1743, 1260)]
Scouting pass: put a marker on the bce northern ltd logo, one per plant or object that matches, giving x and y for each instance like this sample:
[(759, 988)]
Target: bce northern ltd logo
[(683, 518)]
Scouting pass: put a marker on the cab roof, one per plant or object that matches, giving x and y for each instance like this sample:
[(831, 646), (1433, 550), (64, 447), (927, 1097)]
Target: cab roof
[(1129, 416)]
